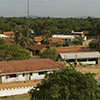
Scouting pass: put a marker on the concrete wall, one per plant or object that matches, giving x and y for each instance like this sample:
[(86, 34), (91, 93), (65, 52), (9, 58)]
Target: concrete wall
[(14, 91), (21, 77)]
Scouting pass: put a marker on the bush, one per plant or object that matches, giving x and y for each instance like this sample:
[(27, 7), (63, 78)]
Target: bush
[(94, 44)]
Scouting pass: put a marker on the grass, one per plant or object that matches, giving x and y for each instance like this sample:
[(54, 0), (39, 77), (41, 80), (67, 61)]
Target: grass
[(17, 97)]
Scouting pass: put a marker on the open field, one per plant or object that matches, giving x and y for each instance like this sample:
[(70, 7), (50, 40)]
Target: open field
[(18, 97), (90, 68)]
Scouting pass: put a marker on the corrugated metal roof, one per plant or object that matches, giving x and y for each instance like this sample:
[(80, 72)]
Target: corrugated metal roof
[(81, 55)]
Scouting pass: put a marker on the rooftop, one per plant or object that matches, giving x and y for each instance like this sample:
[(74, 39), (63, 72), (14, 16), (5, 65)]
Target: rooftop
[(38, 39), (72, 49), (80, 55), (57, 40), (29, 65), (8, 33)]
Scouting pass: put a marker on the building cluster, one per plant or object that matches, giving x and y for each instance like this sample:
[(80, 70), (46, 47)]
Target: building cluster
[(33, 69)]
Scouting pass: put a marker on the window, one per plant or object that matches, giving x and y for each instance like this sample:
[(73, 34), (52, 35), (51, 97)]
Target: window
[(41, 73), (12, 75), (31, 74), (23, 74)]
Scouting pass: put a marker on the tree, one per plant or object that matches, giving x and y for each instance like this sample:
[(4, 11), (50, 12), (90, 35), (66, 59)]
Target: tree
[(3, 49), (66, 84), (46, 37), (49, 53), (95, 44), (23, 37), (12, 52), (78, 40), (16, 52)]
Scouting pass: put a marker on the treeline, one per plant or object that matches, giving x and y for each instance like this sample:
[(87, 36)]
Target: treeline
[(54, 25)]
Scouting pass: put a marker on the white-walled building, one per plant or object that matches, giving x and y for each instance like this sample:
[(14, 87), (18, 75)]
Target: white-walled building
[(90, 57), (23, 70), (3, 36), (69, 37)]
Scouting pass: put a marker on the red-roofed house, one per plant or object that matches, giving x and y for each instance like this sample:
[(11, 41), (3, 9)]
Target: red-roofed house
[(27, 69), (10, 34)]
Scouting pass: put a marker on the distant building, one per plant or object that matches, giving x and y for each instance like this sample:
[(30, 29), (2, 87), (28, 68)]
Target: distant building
[(89, 57), (23, 70), (70, 36), (38, 40), (3, 36), (9, 34), (56, 41)]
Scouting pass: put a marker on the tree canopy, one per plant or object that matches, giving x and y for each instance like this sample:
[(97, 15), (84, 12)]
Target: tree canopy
[(66, 84), (78, 40), (95, 44), (54, 25), (12, 52), (49, 53)]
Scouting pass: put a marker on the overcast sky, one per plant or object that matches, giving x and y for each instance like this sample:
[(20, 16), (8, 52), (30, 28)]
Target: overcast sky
[(59, 8)]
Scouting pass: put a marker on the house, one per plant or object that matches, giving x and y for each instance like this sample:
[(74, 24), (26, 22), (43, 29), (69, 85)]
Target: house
[(9, 34), (70, 36), (56, 41), (38, 40), (68, 49), (36, 49), (88, 57), (78, 54), (23, 70), (3, 36)]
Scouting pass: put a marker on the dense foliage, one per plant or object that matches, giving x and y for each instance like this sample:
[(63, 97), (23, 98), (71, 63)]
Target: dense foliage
[(66, 84), (95, 44), (78, 40), (54, 25), (23, 36), (49, 53), (12, 52)]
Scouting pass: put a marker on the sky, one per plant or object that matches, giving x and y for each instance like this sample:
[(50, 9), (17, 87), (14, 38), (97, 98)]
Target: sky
[(52, 8)]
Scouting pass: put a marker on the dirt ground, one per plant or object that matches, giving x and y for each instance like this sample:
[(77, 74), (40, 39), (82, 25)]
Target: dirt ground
[(17, 97), (90, 68)]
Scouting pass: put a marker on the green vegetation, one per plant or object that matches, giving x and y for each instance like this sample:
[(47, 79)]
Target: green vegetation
[(95, 44), (78, 40), (54, 25), (67, 84), (49, 53), (12, 52), (23, 36)]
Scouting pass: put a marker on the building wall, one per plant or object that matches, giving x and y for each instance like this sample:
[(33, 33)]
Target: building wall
[(22, 77)]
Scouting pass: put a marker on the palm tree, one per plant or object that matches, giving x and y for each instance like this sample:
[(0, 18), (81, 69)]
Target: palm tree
[(46, 37), (24, 37)]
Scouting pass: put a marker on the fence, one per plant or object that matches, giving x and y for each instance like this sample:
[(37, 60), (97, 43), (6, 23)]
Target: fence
[(14, 91)]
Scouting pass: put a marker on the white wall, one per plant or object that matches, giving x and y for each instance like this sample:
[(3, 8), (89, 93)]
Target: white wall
[(14, 91), (20, 77)]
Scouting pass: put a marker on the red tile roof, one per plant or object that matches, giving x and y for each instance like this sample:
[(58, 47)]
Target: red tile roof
[(8, 33), (72, 49), (37, 47), (29, 65), (38, 39), (57, 40), (86, 32)]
